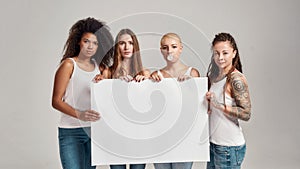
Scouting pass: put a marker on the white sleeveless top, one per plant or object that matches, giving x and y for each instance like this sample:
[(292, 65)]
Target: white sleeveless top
[(188, 72), (78, 95), (224, 130)]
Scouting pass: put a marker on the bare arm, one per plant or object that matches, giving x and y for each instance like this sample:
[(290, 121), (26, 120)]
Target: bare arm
[(238, 87), (194, 73), (240, 92), (61, 80)]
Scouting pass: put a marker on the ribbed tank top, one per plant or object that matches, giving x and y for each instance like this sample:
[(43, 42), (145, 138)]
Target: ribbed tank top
[(224, 130), (188, 72), (78, 95)]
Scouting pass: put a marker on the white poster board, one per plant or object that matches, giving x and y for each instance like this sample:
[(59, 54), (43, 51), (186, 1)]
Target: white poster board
[(150, 122)]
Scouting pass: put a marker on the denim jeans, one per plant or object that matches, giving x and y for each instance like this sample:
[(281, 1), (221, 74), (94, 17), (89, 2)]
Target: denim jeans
[(75, 148), (132, 166), (226, 157), (177, 165)]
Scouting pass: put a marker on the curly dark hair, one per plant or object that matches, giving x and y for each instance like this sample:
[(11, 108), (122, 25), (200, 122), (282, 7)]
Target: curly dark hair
[(213, 69), (104, 52)]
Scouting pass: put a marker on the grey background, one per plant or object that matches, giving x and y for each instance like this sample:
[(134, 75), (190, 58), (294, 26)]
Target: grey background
[(33, 33)]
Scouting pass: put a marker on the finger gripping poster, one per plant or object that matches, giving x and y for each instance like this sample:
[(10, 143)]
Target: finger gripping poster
[(150, 122)]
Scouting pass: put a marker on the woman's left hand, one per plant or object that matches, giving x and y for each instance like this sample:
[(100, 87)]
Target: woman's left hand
[(126, 78), (182, 78), (88, 115), (211, 97)]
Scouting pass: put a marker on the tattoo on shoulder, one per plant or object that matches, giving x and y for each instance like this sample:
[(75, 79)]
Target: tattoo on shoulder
[(241, 94), (240, 88), (238, 85), (238, 82)]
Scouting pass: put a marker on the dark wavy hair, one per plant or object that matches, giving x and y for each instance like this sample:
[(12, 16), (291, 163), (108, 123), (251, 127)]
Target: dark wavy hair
[(213, 69), (136, 61), (104, 53)]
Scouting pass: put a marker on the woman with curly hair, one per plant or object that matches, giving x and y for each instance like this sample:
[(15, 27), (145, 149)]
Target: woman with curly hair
[(86, 52)]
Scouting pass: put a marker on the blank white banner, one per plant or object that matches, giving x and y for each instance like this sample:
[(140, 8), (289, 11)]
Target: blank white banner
[(150, 122)]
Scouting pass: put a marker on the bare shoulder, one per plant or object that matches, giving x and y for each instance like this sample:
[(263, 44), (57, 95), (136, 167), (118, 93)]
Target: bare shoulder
[(67, 63), (238, 81), (237, 74), (195, 73), (66, 67), (238, 86), (240, 92)]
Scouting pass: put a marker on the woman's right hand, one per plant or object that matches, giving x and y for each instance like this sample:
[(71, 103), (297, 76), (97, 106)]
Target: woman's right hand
[(182, 78), (89, 115), (126, 78), (155, 77), (98, 77), (213, 102)]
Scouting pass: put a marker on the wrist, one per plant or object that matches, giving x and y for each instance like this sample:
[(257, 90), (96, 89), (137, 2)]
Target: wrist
[(77, 114), (220, 106)]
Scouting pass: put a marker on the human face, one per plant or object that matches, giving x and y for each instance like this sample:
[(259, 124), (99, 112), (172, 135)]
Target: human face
[(223, 54), (171, 46), (125, 45), (88, 44)]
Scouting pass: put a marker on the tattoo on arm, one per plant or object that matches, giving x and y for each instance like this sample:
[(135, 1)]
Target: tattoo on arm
[(240, 93)]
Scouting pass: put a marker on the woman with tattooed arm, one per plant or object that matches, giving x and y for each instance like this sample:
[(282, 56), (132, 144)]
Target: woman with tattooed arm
[(229, 102)]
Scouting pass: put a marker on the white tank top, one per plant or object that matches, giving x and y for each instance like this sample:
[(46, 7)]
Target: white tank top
[(224, 130), (78, 95), (188, 72)]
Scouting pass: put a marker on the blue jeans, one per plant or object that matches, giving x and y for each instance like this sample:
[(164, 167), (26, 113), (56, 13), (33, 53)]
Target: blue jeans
[(75, 148), (177, 165), (226, 157), (132, 166)]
